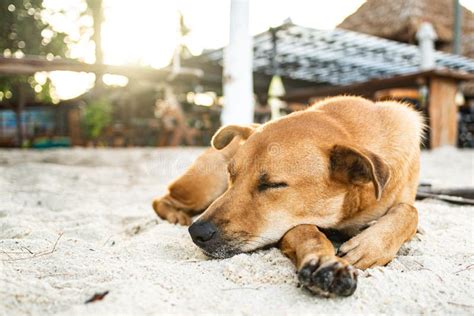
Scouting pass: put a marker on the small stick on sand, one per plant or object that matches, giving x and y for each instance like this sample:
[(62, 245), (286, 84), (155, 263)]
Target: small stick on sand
[(466, 268), (439, 277), (7, 254), (23, 247), (40, 254), (459, 304), (241, 288)]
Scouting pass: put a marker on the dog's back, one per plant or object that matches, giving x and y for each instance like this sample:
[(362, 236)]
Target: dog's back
[(382, 126), (392, 130)]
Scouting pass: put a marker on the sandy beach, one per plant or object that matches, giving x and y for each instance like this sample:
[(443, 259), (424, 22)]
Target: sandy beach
[(75, 222)]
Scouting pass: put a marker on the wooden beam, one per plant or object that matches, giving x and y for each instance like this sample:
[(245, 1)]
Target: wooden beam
[(31, 65), (368, 88), (442, 111)]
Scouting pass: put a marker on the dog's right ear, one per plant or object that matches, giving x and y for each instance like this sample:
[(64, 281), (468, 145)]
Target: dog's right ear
[(355, 166), (226, 134)]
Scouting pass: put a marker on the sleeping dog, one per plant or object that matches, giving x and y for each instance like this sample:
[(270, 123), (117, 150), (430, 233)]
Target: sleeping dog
[(345, 164)]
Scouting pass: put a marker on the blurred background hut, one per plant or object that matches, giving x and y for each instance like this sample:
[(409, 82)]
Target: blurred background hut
[(400, 20), (132, 101)]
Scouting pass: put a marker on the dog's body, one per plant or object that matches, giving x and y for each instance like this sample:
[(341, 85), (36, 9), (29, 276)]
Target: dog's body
[(346, 164)]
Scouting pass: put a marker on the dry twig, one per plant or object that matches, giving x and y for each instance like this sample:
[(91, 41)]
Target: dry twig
[(466, 268), (39, 254)]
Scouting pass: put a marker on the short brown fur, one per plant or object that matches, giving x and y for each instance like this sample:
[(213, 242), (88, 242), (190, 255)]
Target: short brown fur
[(346, 163)]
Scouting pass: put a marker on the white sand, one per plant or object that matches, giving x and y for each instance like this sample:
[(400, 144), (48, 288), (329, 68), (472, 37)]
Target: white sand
[(100, 201)]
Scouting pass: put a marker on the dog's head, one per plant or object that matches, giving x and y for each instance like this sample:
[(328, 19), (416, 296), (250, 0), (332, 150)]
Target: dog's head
[(283, 175)]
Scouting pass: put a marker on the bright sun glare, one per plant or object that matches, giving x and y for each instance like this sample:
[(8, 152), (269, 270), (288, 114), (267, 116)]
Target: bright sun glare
[(145, 32)]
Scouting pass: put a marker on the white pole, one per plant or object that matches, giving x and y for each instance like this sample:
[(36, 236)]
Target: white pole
[(426, 36), (237, 76)]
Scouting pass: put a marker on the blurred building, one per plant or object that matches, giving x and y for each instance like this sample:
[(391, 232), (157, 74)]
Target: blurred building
[(43, 124), (318, 63), (373, 54), (400, 20)]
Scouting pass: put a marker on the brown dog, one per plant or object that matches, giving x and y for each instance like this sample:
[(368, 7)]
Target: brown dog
[(345, 164)]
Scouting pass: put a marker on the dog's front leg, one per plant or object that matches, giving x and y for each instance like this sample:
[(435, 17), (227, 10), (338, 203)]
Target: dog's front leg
[(202, 183), (319, 270), (378, 244), (190, 194)]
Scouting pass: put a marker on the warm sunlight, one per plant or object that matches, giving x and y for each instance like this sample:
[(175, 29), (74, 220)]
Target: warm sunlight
[(248, 157), (145, 32)]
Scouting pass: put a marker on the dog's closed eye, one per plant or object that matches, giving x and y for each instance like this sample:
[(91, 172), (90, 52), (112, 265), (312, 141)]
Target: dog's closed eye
[(263, 186)]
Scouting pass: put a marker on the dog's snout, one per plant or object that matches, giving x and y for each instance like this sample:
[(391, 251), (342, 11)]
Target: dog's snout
[(202, 232)]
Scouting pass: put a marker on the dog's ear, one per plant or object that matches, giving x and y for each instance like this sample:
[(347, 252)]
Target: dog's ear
[(226, 134), (354, 166)]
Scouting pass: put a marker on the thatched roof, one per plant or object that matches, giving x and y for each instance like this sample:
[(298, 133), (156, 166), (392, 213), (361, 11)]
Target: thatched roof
[(399, 20)]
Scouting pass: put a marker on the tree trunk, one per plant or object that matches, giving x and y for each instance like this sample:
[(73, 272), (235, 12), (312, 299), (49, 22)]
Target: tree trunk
[(98, 17)]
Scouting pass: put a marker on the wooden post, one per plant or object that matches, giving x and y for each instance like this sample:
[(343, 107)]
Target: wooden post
[(443, 112), (74, 126), (18, 111)]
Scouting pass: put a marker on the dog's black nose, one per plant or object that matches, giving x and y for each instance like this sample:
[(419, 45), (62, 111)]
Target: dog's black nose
[(202, 232)]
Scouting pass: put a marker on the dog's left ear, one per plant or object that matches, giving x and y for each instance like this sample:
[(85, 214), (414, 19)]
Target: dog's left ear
[(354, 166), (226, 134)]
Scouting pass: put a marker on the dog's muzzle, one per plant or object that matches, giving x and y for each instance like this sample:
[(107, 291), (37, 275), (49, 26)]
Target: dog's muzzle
[(207, 237), (203, 233)]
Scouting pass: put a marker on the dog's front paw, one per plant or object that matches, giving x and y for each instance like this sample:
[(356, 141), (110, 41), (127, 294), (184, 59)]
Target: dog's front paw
[(167, 212), (179, 217), (367, 250), (328, 277)]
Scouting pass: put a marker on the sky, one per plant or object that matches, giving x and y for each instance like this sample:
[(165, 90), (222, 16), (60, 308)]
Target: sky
[(145, 31)]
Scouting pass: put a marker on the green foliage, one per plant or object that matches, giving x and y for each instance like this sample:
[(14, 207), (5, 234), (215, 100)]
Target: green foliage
[(24, 31), (97, 116), (22, 28), (13, 84)]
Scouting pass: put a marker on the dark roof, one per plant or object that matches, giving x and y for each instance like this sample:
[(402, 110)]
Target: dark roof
[(337, 57)]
